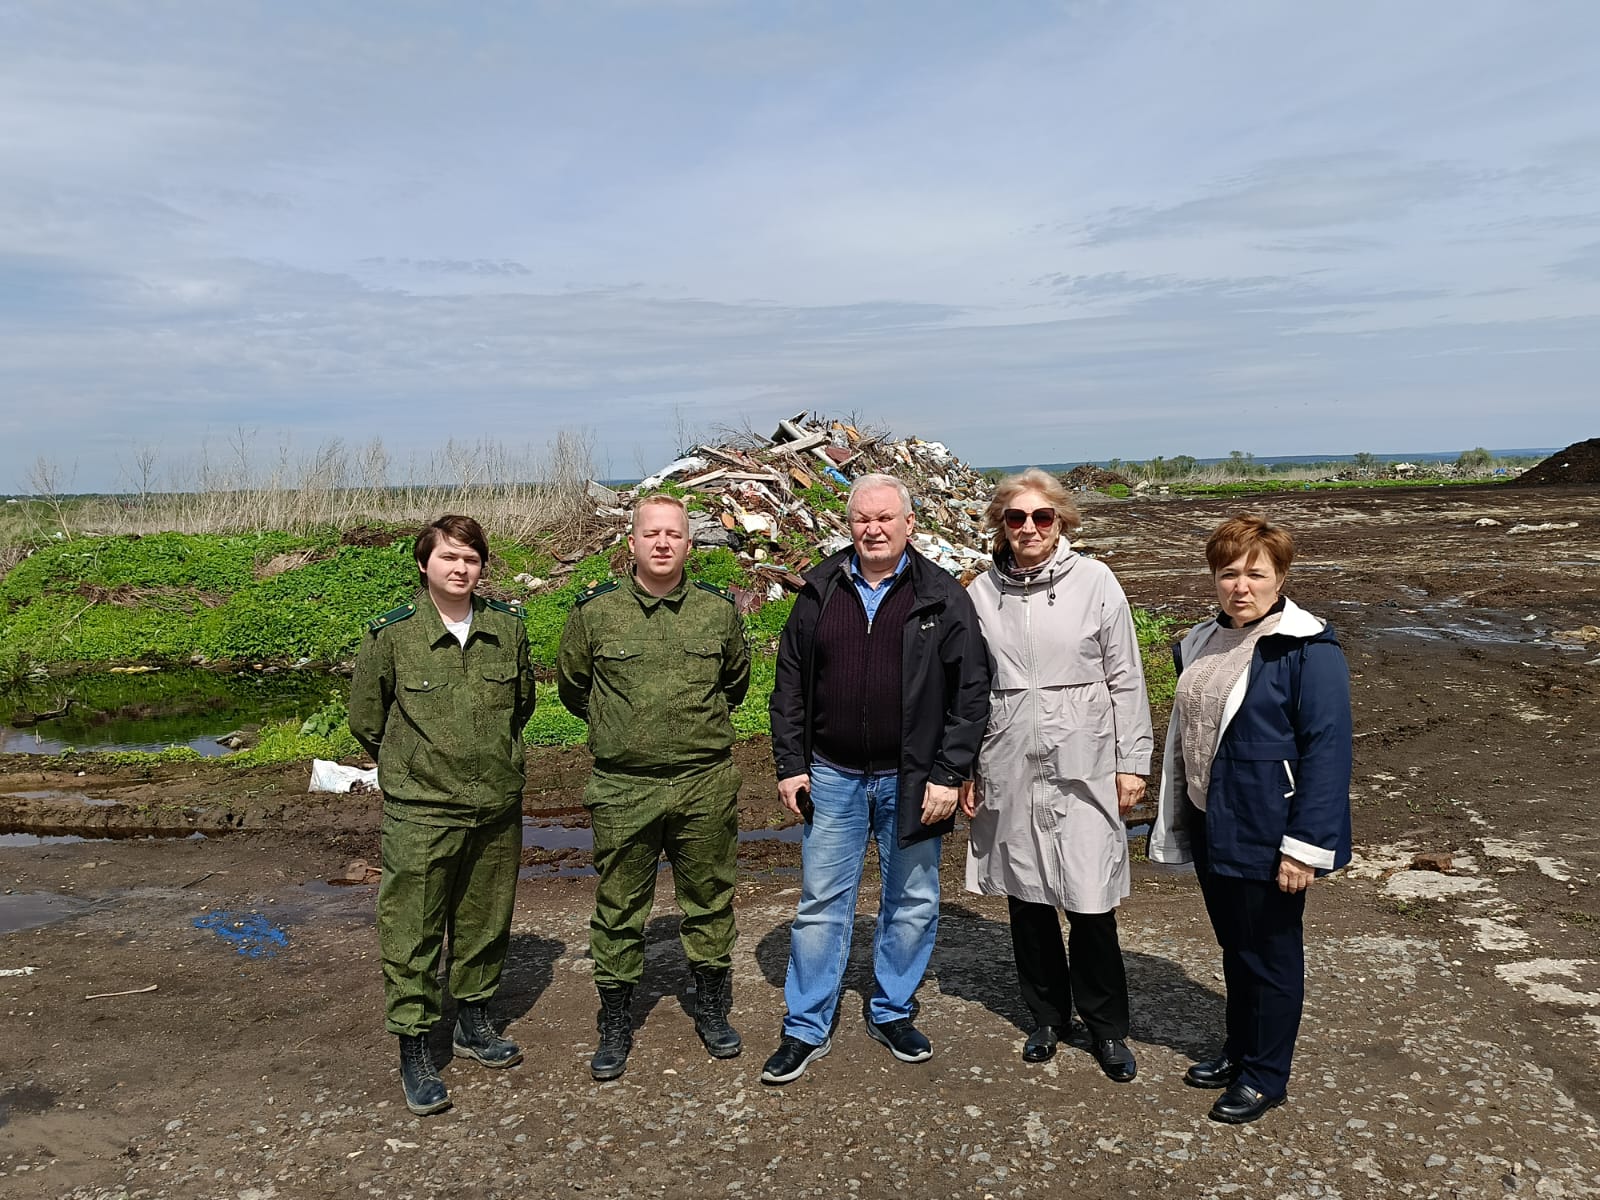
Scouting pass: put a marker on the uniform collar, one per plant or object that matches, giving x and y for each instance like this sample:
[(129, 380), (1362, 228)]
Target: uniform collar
[(434, 623), (649, 600)]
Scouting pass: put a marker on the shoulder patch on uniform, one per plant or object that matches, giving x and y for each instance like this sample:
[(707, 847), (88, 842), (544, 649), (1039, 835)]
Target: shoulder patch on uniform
[(714, 590), (596, 588), (506, 606), (393, 615)]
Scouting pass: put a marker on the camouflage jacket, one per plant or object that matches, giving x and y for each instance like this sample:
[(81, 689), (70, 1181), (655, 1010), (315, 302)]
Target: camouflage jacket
[(657, 678), (444, 721)]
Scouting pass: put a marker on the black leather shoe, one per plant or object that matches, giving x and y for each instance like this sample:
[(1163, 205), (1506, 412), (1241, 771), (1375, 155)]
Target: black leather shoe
[(425, 1091), (903, 1039), (1241, 1104), (475, 1037), (1041, 1045), (790, 1059), (1115, 1059), (1218, 1072)]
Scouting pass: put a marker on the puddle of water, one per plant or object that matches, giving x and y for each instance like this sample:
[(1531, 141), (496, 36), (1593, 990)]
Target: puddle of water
[(92, 801), (790, 833), (177, 706), (541, 833), (30, 910), (9, 841)]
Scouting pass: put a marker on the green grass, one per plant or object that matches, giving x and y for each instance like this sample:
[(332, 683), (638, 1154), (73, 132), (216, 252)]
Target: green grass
[(1253, 486), (1156, 635)]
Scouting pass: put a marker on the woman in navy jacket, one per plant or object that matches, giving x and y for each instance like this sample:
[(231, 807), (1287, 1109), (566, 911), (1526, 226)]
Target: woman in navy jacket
[(1255, 790)]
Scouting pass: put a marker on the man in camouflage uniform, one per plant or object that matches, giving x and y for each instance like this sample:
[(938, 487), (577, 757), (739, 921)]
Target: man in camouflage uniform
[(443, 687), (655, 665)]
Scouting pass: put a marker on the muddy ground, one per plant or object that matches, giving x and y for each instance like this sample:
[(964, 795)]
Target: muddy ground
[(1450, 1044)]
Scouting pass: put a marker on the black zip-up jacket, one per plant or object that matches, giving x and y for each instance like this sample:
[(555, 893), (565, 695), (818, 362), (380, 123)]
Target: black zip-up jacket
[(944, 683)]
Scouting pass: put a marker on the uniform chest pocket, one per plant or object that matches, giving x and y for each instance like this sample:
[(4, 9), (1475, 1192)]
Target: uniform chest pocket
[(424, 697), (702, 662), (500, 674)]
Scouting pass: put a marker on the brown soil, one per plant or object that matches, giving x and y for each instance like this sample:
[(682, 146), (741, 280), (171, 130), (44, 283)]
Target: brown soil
[(1449, 1047), (1578, 464)]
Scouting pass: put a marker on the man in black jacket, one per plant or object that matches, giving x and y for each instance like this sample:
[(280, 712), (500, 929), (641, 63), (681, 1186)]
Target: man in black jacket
[(878, 708)]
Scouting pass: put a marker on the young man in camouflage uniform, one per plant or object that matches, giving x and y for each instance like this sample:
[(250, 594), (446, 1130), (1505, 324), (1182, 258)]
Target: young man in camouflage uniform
[(655, 665), (443, 687)]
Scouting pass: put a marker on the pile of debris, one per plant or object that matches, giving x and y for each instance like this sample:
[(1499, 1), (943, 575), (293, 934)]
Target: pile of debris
[(1088, 477), (778, 502)]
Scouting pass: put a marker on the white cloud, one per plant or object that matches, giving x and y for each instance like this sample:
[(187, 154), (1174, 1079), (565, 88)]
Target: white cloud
[(1132, 229)]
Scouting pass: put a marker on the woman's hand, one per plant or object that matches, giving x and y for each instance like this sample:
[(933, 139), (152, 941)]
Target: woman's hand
[(969, 799), (1294, 875), (1130, 790)]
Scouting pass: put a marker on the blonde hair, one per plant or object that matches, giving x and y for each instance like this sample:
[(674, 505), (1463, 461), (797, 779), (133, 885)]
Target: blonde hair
[(661, 499), (1034, 479)]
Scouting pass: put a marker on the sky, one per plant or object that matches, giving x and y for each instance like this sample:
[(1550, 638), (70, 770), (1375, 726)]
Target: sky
[(1044, 231)]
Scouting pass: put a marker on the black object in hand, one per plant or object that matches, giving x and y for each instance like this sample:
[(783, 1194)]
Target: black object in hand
[(802, 800)]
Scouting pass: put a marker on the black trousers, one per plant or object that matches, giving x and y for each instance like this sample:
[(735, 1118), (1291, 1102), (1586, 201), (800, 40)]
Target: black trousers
[(1262, 934), (1094, 980)]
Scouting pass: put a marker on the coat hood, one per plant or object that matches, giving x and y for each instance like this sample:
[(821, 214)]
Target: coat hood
[(1061, 561)]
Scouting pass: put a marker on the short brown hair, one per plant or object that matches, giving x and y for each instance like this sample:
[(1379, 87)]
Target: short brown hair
[(1034, 479), (1251, 535), (458, 529)]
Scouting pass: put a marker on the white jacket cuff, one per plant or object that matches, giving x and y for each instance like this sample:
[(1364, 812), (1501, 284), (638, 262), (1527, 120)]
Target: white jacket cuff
[(1312, 856)]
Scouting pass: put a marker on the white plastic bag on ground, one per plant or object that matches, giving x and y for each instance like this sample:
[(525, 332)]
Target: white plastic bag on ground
[(332, 777)]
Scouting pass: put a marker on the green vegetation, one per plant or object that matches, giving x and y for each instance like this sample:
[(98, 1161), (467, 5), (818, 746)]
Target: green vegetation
[(1156, 635)]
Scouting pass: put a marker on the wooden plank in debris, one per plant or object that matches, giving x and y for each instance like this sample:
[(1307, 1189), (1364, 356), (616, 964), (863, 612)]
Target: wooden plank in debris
[(707, 477), (732, 457), (728, 520), (800, 477), (799, 445)]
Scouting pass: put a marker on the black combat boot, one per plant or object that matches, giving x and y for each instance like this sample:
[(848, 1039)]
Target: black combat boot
[(616, 1031), (475, 1038), (713, 1000), (425, 1091)]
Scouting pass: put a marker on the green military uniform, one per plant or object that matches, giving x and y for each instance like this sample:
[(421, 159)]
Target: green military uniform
[(657, 679), (444, 723)]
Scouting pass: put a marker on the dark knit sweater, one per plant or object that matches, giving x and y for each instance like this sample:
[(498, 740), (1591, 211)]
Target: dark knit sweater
[(857, 704)]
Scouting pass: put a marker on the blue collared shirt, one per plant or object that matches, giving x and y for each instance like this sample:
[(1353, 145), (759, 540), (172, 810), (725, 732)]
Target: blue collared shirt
[(871, 596)]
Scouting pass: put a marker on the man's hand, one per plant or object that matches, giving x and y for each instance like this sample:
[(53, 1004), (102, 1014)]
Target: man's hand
[(938, 802), (1130, 790), (1294, 875), (789, 792), (969, 798)]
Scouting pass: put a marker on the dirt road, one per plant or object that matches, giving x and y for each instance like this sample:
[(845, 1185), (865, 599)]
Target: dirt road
[(1450, 1046)]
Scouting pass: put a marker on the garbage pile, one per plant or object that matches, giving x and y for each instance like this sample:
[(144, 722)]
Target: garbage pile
[(778, 503), (1088, 477)]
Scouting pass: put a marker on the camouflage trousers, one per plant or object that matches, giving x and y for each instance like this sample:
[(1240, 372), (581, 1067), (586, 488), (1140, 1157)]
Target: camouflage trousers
[(690, 817), (438, 880)]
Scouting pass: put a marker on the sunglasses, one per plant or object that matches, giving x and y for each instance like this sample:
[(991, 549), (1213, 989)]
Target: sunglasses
[(1043, 518)]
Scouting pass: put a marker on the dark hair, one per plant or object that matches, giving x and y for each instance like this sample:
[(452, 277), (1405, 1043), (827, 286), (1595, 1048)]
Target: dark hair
[(1250, 534), (458, 529)]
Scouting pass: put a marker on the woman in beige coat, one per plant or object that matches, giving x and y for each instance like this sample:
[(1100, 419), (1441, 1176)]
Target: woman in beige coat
[(1064, 758)]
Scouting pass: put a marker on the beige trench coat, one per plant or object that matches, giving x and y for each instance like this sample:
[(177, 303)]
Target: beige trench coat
[(1068, 710)]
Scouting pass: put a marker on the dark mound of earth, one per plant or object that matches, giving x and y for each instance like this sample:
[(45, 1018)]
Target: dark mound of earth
[(1579, 463), (1090, 476)]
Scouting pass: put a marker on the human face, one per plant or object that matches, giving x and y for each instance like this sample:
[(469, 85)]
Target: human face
[(1247, 591), (880, 529), (1031, 545), (659, 543), (452, 571)]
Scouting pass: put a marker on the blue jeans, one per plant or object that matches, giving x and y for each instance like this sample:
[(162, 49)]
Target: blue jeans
[(849, 806)]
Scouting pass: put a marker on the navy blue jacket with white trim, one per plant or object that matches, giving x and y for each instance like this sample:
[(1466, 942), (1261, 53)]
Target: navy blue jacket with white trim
[(1280, 780)]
